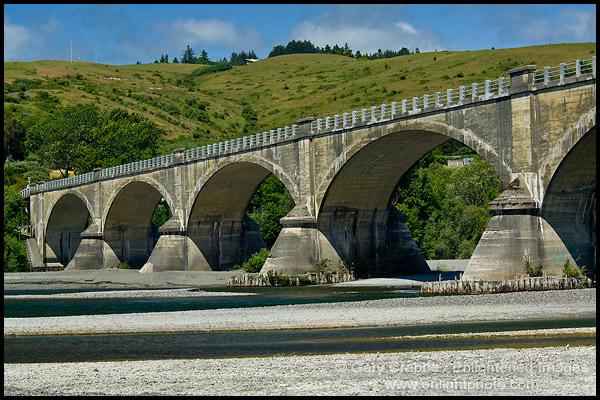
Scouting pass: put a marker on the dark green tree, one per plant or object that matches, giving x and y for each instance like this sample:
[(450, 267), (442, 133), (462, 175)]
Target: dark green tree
[(80, 138), (58, 138), (15, 216), (14, 137), (447, 207), (118, 139), (203, 59), (188, 56), (270, 203)]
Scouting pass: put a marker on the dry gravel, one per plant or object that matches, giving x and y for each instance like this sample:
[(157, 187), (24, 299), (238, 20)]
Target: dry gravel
[(540, 372)]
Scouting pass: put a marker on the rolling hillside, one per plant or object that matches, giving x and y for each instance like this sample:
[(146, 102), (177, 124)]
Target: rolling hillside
[(271, 93)]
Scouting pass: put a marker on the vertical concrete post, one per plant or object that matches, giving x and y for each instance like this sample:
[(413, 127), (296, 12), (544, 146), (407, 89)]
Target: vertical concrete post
[(449, 96), (415, 104), (93, 252), (175, 251), (300, 245), (521, 79)]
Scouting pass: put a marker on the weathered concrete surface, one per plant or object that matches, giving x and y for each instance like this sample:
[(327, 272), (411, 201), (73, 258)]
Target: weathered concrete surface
[(341, 179)]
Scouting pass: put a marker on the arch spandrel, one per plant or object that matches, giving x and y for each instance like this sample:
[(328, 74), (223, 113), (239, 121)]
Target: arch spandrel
[(552, 159)]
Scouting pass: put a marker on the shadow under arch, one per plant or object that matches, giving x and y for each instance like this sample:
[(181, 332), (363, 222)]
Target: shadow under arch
[(218, 224), (569, 204), (128, 228), (68, 218), (143, 179)]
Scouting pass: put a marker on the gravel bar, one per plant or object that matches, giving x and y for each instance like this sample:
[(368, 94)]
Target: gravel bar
[(548, 371)]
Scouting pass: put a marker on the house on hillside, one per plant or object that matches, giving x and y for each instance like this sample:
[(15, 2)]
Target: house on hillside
[(458, 162)]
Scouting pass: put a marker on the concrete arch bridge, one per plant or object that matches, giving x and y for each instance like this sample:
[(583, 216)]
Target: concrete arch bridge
[(536, 128)]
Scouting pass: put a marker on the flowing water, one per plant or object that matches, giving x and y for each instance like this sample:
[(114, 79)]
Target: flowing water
[(70, 348)]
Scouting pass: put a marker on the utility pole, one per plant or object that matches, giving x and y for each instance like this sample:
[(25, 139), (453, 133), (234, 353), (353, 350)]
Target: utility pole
[(71, 51), (96, 46)]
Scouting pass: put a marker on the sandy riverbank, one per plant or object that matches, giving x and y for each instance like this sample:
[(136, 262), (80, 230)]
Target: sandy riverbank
[(384, 312)]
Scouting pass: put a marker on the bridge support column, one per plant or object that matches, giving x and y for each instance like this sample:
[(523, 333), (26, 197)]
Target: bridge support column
[(175, 251), (516, 235), (299, 246), (93, 252)]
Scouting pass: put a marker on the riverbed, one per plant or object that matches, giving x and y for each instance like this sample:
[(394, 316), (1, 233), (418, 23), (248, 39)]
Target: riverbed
[(564, 367)]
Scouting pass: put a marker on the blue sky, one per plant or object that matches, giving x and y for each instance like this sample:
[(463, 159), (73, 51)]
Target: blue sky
[(120, 34)]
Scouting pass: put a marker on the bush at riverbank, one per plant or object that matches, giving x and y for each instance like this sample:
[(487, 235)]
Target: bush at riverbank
[(459, 286), (274, 279)]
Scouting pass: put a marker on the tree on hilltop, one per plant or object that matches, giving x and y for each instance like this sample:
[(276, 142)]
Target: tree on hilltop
[(188, 56)]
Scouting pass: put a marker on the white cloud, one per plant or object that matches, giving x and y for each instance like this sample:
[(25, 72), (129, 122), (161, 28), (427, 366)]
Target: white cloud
[(15, 39), (50, 26), (527, 25), (366, 28), (214, 31), (580, 25), (406, 27)]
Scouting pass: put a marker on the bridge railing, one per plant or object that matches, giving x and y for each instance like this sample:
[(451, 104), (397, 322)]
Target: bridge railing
[(474, 92), (246, 142), (565, 70)]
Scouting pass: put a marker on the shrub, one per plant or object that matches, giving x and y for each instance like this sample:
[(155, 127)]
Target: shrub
[(572, 271), (533, 270), (124, 265), (255, 262)]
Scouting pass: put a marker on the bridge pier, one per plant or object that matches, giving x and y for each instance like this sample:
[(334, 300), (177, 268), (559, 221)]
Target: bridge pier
[(175, 251), (516, 235), (93, 252), (299, 246)]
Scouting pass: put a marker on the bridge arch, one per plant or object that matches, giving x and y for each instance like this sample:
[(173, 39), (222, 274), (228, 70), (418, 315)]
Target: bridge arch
[(217, 222), (561, 148), (146, 179), (355, 209), (67, 219), (263, 162), (415, 131), (128, 228), (569, 204)]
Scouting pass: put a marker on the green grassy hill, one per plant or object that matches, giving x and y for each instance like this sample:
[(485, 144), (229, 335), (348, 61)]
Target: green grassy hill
[(196, 110)]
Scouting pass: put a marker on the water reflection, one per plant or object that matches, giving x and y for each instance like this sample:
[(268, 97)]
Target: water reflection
[(262, 296), (71, 348)]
